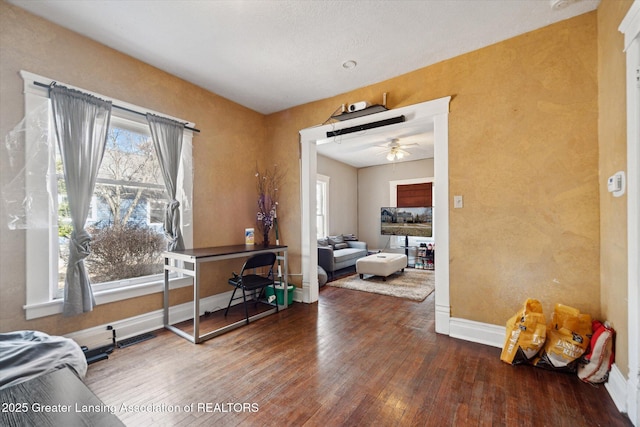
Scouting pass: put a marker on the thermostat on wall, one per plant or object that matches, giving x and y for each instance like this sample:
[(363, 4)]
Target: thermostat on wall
[(616, 184)]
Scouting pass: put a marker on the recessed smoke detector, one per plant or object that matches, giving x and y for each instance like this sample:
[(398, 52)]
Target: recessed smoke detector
[(561, 4), (350, 64)]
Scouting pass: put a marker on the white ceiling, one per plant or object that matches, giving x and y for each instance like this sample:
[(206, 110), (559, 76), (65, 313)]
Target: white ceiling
[(271, 55), (369, 149)]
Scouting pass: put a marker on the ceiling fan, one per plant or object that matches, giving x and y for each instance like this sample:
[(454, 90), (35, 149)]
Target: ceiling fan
[(397, 150)]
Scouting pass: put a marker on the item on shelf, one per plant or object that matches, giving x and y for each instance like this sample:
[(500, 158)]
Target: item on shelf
[(425, 257), (249, 236)]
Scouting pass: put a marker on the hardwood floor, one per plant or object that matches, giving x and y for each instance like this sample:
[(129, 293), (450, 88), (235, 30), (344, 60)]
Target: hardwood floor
[(352, 359)]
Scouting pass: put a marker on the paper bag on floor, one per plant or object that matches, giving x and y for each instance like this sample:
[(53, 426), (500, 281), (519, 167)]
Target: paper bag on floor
[(526, 332), (567, 339)]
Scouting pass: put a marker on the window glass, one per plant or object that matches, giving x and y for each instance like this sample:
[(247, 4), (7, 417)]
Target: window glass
[(126, 213), (321, 207)]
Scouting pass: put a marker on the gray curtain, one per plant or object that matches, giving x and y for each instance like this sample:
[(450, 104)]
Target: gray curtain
[(167, 140), (81, 123)]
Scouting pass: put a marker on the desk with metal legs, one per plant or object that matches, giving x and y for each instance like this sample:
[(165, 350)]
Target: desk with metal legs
[(180, 261)]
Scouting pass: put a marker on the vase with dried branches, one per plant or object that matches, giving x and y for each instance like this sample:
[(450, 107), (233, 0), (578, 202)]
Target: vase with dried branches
[(267, 184)]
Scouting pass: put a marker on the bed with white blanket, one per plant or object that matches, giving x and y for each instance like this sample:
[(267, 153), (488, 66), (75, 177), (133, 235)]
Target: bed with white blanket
[(27, 354)]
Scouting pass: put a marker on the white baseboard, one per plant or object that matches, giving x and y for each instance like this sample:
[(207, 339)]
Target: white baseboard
[(442, 319), (616, 385), (482, 333), (298, 294), (133, 326)]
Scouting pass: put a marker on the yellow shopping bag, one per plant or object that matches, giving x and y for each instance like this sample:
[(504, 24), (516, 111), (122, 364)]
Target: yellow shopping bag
[(526, 332), (567, 339)]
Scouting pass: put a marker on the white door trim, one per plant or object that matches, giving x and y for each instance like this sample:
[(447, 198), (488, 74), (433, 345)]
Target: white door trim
[(424, 115), (630, 27)]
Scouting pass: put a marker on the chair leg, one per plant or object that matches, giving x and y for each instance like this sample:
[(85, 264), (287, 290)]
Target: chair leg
[(257, 293), (246, 311), (262, 294), (229, 305)]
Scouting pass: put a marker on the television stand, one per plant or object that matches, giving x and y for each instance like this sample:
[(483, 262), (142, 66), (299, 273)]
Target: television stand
[(406, 246)]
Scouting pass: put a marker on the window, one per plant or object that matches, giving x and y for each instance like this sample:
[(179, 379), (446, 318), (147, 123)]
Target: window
[(414, 195), (322, 206), (125, 218), (127, 212)]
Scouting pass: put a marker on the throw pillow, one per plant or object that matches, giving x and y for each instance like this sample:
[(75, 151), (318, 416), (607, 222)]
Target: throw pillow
[(349, 237), (340, 246), (333, 240), (323, 242)]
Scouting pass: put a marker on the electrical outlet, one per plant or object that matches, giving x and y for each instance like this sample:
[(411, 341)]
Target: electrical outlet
[(457, 202)]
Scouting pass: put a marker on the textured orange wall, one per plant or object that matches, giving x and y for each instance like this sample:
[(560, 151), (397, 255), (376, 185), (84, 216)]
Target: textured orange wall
[(231, 135), (524, 154), (612, 136)]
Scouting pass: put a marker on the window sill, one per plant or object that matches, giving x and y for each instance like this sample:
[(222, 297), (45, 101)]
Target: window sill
[(49, 308)]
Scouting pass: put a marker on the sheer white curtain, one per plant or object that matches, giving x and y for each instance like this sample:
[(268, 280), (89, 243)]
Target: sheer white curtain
[(81, 123), (167, 141)]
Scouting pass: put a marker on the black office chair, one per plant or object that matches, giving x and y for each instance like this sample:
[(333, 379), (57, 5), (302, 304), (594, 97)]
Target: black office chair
[(248, 280)]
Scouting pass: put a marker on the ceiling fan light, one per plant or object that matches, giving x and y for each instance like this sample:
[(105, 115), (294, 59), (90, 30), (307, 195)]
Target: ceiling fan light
[(399, 155), (391, 156)]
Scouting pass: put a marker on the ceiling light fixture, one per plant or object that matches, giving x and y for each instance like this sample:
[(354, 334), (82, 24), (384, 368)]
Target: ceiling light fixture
[(560, 4), (350, 64), (395, 154), (396, 150)]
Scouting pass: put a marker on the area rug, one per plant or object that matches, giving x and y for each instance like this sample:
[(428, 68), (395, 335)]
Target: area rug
[(412, 284)]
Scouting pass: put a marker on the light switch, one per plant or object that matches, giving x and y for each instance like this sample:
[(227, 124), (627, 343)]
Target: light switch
[(457, 202)]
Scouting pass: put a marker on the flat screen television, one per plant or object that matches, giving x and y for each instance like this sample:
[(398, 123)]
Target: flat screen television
[(415, 222)]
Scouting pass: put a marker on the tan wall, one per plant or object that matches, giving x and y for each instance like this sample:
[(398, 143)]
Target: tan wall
[(612, 136), (523, 152), (231, 135)]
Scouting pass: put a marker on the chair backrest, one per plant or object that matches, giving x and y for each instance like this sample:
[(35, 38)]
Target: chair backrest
[(266, 259)]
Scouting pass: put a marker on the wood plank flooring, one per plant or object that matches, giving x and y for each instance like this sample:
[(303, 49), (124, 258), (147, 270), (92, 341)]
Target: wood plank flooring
[(352, 359)]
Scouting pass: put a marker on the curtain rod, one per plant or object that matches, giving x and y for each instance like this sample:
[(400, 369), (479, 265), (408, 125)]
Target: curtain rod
[(117, 106)]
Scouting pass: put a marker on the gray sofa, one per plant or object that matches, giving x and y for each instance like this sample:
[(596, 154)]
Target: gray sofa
[(338, 252)]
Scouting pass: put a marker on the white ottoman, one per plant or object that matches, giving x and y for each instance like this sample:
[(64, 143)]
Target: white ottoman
[(381, 264)]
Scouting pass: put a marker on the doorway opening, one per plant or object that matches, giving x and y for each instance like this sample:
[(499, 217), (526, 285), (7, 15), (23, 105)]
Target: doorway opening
[(427, 115)]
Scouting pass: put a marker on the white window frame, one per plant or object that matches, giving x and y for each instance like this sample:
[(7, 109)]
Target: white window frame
[(149, 216), (324, 181), (42, 219)]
